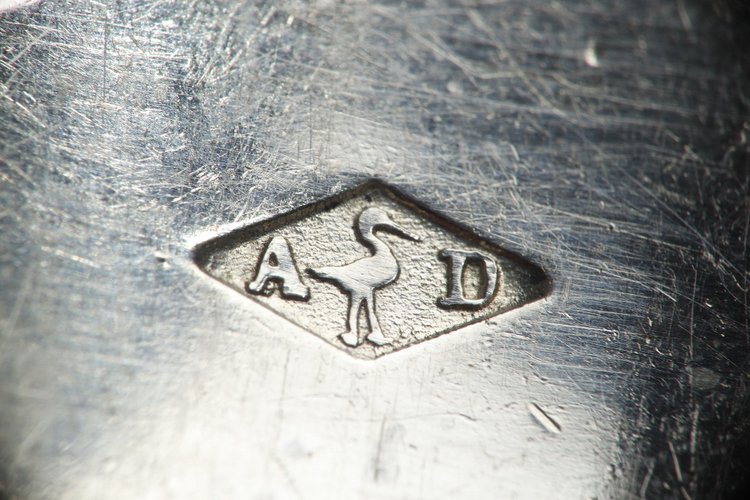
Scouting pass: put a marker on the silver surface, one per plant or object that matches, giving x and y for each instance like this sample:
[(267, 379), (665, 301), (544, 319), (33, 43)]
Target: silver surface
[(605, 141)]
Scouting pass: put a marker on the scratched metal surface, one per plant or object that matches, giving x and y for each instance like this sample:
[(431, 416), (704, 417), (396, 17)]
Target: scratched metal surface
[(605, 141)]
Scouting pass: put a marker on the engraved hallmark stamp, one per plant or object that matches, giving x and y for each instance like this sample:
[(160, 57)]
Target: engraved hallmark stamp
[(370, 271)]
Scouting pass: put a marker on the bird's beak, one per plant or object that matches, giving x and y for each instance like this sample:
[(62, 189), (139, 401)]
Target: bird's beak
[(399, 231)]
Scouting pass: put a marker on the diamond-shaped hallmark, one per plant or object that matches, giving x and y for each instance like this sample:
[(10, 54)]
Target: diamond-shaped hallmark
[(370, 271)]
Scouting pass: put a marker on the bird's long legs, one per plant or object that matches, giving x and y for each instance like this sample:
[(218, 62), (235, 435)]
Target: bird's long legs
[(376, 335), (351, 336)]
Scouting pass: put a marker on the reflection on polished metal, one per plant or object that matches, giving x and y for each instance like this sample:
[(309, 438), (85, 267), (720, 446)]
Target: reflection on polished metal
[(407, 275), (592, 154)]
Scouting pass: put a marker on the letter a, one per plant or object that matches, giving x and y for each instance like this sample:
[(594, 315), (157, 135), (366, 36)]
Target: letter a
[(456, 264), (278, 266)]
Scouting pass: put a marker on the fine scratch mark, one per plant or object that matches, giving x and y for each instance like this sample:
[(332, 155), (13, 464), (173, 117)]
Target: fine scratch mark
[(275, 458), (73, 257), (267, 18), (684, 16), (376, 472), (545, 420), (23, 294), (646, 480), (675, 462), (678, 471), (694, 438), (287, 475), (746, 288), (104, 56), (692, 314)]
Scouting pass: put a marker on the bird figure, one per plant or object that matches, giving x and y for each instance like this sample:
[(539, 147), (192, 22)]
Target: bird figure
[(362, 277)]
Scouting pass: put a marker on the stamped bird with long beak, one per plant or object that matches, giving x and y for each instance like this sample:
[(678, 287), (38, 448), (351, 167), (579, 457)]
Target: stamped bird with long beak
[(362, 277)]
